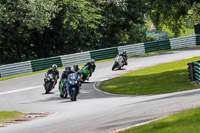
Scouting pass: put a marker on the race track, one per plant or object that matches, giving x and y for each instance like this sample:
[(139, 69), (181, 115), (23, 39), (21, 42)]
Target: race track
[(94, 111)]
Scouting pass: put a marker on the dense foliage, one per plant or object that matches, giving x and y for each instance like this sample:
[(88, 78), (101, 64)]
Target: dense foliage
[(32, 29), (173, 13)]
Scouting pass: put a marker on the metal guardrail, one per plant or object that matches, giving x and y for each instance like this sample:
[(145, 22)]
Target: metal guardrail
[(41, 64), (197, 71), (157, 46), (181, 42), (194, 71), (198, 39), (15, 69), (101, 54), (133, 49), (79, 58)]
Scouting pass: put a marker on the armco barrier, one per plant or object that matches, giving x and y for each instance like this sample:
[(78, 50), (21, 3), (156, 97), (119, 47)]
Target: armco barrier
[(78, 58), (102, 54), (15, 69), (157, 46), (134, 49), (197, 71), (181, 42), (45, 63), (198, 39), (194, 71)]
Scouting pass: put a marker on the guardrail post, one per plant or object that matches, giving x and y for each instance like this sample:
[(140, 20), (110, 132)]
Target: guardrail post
[(191, 71)]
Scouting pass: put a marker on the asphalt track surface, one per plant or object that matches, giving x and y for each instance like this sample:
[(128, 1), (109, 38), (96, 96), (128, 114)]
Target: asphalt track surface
[(94, 111)]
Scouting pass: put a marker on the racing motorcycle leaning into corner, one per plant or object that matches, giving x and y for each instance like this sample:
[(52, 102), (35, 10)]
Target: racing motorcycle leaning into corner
[(50, 78), (87, 70), (120, 61)]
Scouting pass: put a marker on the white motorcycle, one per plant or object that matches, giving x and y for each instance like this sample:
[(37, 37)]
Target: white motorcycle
[(119, 62)]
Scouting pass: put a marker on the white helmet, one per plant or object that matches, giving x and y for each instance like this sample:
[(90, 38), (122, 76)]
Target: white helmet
[(54, 67), (92, 61)]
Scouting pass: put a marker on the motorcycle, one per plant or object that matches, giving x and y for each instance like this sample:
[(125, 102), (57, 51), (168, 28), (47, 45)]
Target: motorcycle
[(119, 62), (73, 86), (63, 89), (49, 83), (85, 73)]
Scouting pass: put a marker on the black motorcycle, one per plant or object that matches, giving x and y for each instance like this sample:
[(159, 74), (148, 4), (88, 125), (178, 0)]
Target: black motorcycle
[(49, 83)]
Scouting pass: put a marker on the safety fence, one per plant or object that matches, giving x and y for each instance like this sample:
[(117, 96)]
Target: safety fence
[(101, 54), (157, 46), (78, 58), (194, 71), (181, 42), (133, 49), (15, 69), (45, 63), (198, 39)]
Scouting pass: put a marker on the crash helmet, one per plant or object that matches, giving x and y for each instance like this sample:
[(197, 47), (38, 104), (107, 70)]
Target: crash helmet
[(54, 67), (92, 61), (124, 52), (68, 68), (75, 67)]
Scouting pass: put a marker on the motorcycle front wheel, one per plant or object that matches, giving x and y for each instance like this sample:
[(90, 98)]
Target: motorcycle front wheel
[(115, 64), (73, 98), (47, 87)]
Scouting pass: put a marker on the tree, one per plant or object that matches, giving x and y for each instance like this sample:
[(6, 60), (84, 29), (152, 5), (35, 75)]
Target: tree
[(18, 18), (170, 13)]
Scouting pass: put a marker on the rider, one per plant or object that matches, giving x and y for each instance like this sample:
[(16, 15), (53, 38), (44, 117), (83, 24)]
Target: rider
[(91, 65), (65, 74), (125, 57), (75, 68), (54, 72), (77, 71)]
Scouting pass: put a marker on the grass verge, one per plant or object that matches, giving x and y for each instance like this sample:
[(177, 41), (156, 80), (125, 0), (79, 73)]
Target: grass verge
[(7, 116), (165, 78), (183, 122)]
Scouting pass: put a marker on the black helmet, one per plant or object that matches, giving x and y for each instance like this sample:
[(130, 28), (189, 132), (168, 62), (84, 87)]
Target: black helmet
[(54, 67), (68, 68), (75, 67)]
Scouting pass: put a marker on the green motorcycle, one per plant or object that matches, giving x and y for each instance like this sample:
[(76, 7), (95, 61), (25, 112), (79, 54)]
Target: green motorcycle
[(63, 89), (85, 73)]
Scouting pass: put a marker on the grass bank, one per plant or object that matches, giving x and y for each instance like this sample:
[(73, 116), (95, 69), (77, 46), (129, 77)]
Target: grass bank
[(7, 116), (183, 122), (165, 78)]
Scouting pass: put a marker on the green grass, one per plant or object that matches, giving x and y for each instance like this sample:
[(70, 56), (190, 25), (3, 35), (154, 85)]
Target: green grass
[(183, 122), (165, 78), (7, 116)]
